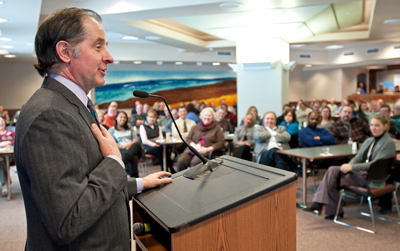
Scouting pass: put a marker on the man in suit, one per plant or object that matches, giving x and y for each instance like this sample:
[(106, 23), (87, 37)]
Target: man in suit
[(75, 188)]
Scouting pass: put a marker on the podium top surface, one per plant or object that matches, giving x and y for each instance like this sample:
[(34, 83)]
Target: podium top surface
[(186, 202)]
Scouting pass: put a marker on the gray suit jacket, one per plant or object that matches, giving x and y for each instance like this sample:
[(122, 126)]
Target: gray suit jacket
[(74, 198), (261, 135)]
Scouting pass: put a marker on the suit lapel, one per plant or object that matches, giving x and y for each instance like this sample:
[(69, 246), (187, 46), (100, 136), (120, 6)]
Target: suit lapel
[(52, 84)]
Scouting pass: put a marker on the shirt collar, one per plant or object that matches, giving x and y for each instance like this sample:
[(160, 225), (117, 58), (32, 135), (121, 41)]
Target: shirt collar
[(72, 86)]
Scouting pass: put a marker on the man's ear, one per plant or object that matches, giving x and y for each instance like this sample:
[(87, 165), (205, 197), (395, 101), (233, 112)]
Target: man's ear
[(64, 51)]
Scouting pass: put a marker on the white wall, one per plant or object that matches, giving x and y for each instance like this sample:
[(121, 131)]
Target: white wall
[(349, 81), (323, 83), (296, 85)]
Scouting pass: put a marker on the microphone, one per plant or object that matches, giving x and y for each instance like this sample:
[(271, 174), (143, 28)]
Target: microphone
[(139, 228), (193, 171)]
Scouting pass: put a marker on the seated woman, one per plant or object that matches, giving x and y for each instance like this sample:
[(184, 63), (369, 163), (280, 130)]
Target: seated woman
[(380, 146), (243, 138), (150, 130), (253, 110), (205, 137), (6, 139), (290, 122), (127, 143), (326, 121)]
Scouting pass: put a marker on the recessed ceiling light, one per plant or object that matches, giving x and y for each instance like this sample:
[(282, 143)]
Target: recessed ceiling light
[(178, 63), (159, 62), (116, 62), (3, 52), (199, 63), (308, 65), (216, 63), (1, 2), (332, 47), (5, 39), (129, 38), (231, 6), (137, 62), (392, 21), (9, 56), (6, 46), (297, 45), (153, 38), (3, 20)]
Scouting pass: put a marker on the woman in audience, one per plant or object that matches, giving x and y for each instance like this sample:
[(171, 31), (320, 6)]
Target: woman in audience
[(290, 122), (100, 116), (233, 116), (243, 139), (202, 105), (253, 109), (326, 118), (150, 130), (363, 111), (6, 139), (128, 145), (380, 146), (205, 137), (192, 113)]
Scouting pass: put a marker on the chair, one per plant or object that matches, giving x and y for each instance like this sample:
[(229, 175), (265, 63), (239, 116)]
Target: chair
[(379, 171), (143, 161)]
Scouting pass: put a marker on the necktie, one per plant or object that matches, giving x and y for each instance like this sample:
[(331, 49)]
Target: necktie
[(93, 112), (184, 126)]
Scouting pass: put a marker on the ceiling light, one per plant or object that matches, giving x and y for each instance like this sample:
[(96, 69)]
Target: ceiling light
[(308, 65), (3, 20), (9, 56), (332, 47), (210, 49), (137, 62), (216, 63), (1, 2), (6, 46), (129, 38), (392, 21), (5, 39), (153, 38), (178, 63), (116, 62), (231, 6), (297, 45), (3, 52), (199, 63), (159, 62)]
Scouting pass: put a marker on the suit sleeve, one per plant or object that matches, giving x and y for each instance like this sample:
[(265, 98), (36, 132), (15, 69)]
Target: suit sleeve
[(70, 194)]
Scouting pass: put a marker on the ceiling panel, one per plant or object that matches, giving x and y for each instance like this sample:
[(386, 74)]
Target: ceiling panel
[(323, 22), (348, 13)]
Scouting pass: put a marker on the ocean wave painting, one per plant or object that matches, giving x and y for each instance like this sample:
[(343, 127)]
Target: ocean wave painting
[(121, 84)]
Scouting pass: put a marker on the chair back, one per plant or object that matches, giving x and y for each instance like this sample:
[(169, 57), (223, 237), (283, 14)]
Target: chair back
[(380, 170)]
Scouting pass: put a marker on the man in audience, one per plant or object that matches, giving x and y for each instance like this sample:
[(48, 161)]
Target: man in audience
[(386, 111), (75, 189), (146, 108), (381, 88), (298, 105), (134, 108), (184, 125), (376, 107), (316, 106), (168, 127), (302, 113), (396, 89), (324, 103), (344, 103), (220, 119), (139, 117), (313, 136), (164, 119), (333, 106), (109, 118), (396, 114), (270, 138), (282, 117), (347, 129)]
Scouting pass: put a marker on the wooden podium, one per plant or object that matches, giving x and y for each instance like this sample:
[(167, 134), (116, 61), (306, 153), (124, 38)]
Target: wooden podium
[(252, 215)]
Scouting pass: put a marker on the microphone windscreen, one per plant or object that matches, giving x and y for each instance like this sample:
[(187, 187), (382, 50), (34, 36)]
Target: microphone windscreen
[(138, 228), (140, 94)]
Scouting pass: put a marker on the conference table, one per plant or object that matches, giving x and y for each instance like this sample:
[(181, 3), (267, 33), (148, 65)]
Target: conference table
[(165, 142), (7, 152)]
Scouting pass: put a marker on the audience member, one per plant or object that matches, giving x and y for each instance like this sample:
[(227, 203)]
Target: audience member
[(396, 114), (168, 127), (302, 113), (163, 119), (363, 111), (353, 105), (149, 131), (205, 137), (202, 105), (138, 118), (243, 139), (290, 122), (362, 88), (128, 145), (316, 106), (312, 135), (270, 138), (109, 118), (225, 107), (6, 139), (326, 120), (254, 110), (233, 116), (146, 108), (282, 117), (376, 107), (298, 105), (137, 102), (191, 113), (184, 125), (221, 121), (381, 88), (386, 111), (396, 89), (380, 146), (324, 103), (333, 106), (347, 129), (212, 105), (4, 114), (344, 103), (100, 116)]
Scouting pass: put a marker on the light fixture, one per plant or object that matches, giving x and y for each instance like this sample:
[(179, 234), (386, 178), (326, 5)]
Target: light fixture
[(178, 63), (6, 46), (199, 63), (216, 63), (308, 65), (9, 56), (333, 47), (129, 38), (210, 49), (5, 39), (2, 2), (153, 38), (159, 62), (137, 62), (392, 21), (297, 45), (116, 62), (3, 20), (3, 52), (231, 5)]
